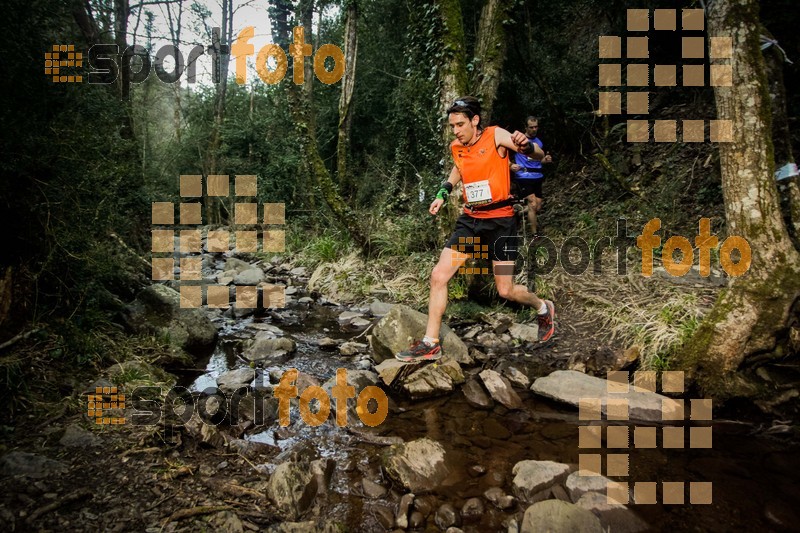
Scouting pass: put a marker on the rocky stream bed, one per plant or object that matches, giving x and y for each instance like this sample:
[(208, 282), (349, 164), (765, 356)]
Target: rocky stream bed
[(483, 440)]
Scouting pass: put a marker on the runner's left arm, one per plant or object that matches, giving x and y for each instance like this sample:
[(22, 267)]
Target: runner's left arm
[(518, 142)]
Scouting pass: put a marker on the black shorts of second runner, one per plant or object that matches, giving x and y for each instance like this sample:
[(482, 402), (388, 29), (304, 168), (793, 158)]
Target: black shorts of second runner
[(500, 234), (525, 188)]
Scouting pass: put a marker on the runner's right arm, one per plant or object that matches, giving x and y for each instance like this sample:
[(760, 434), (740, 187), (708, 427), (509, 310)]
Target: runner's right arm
[(455, 177)]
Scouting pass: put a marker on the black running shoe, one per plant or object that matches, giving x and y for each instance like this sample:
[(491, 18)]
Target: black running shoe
[(420, 351), (546, 325)]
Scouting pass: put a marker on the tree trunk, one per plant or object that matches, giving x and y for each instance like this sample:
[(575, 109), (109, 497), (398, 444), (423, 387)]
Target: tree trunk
[(346, 184), (221, 42), (490, 53), (301, 104), (750, 319), (782, 139), (121, 12), (453, 83)]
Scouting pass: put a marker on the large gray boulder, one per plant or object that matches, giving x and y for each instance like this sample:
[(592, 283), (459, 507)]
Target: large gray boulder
[(265, 346), (157, 311), (570, 387), (418, 465), (532, 477), (617, 517), (555, 516), (422, 380), (401, 326), (578, 484)]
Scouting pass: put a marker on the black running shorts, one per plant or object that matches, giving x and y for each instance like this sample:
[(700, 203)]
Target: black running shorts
[(500, 234), (524, 188)]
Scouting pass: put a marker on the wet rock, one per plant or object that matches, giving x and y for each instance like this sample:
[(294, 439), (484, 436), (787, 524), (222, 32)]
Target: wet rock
[(434, 379), (290, 290), (525, 333), (476, 470), (500, 389), (389, 369), (569, 386), (499, 498), (578, 485), (495, 430), (261, 326), (401, 520), (224, 279), (476, 395), (401, 326), (264, 346), (251, 276), (352, 348), (359, 324), (532, 477), (384, 514), (516, 377), (511, 525), (299, 271), (379, 309), (30, 465), (472, 510), (322, 472), (418, 465), (555, 515), (326, 343), (292, 488), (157, 311), (235, 379), (613, 516), (347, 317), (236, 265), (305, 300), (447, 516), (77, 437), (425, 504), (372, 489), (416, 520)]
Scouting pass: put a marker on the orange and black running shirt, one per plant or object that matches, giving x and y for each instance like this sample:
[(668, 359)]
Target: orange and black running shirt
[(484, 174)]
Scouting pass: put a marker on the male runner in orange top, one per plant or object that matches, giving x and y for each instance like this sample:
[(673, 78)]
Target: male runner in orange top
[(481, 162)]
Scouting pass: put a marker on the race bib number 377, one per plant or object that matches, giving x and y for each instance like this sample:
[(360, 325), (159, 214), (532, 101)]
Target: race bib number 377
[(478, 193)]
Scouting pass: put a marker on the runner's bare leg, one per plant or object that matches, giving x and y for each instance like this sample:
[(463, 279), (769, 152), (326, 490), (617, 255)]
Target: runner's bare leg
[(449, 263)]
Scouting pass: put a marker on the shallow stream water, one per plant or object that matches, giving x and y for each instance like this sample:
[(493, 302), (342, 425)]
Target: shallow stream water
[(754, 478)]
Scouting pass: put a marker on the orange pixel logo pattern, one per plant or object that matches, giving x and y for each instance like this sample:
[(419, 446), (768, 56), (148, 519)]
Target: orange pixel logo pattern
[(478, 251), (243, 238), (62, 55), (105, 398), (638, 74), (616, 406)]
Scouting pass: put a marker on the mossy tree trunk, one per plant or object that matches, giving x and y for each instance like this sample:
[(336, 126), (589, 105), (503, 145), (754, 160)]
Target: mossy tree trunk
[(301, 102), (346, 184), (748, 324), (490, 54), (452, 83)]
